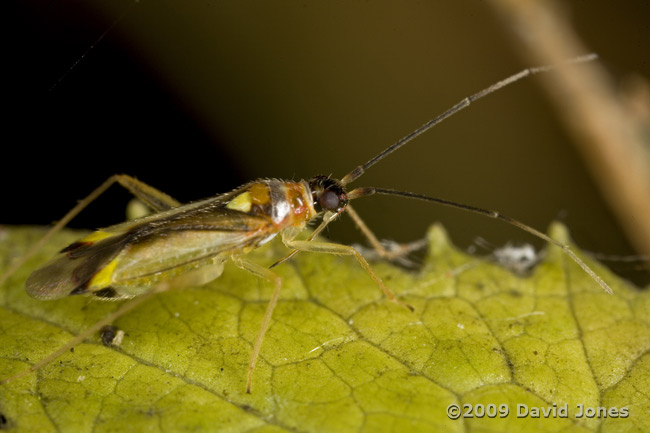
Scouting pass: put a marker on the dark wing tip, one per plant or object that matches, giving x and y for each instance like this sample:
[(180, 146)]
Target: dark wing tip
[(74, 246)]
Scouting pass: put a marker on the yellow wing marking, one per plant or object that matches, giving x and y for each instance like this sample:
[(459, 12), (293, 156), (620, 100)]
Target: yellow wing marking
[(241, 203), (103, 278), (96, 236)]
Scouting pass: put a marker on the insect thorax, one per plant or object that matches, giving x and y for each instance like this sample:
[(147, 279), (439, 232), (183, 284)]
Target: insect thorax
[(284, 203)]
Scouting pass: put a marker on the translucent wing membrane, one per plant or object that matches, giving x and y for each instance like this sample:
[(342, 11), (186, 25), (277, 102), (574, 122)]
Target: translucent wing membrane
[(126, 260)]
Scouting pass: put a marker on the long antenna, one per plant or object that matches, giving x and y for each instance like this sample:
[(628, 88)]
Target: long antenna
[(366, 191), (358, 171), (93, 45)]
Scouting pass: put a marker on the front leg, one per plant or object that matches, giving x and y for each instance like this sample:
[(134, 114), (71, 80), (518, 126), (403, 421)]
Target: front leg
[(343, 250)]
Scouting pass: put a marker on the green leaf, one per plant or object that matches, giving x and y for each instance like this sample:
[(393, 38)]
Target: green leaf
[(338, 356)]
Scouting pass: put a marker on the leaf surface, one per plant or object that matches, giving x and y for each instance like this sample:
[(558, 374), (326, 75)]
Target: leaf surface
[(338, 356)]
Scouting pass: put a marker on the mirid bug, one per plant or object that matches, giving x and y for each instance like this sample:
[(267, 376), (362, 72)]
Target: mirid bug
[(187, 245)]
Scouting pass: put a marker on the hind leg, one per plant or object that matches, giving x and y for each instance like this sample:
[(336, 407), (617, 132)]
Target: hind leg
[(155, 199)]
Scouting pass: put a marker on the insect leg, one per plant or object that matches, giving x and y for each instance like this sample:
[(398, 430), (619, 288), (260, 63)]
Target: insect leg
[(124, 308), (344, 250), (376, 244), (193, 278), (288, 233), (271, 276), (153, 198), (395, 252)]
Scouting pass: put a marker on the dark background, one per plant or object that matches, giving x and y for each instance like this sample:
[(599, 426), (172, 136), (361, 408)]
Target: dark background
[(196, 98)]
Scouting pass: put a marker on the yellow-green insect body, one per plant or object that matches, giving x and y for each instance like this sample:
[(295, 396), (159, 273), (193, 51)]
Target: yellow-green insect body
[(190, 241)]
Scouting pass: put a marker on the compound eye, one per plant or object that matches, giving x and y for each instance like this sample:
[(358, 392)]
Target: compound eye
[(329, 200)]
